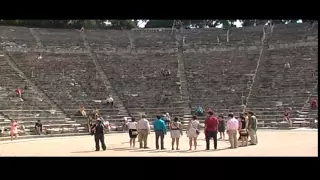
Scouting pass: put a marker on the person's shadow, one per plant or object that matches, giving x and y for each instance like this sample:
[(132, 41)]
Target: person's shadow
[(87, 151)]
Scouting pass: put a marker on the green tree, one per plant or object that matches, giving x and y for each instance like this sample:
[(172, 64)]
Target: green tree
[(75, 24), (159, 24), (122, 24)]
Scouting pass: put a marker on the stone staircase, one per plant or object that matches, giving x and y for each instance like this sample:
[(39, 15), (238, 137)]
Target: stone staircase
[(307, 116), (184, 91), (123, 111)]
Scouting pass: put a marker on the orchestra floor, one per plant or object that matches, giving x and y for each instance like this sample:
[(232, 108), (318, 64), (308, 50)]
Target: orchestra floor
[(271, 143)]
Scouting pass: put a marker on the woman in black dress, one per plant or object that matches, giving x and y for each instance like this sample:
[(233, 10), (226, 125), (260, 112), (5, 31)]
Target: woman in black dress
[(243, 124), (221, 127)]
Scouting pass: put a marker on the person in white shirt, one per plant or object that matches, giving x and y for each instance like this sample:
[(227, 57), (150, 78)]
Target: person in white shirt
[(106, 123), (287, 65), (232, 128), (110, 101), (167, 118), (133, 132), (39, 56), (144, 131)]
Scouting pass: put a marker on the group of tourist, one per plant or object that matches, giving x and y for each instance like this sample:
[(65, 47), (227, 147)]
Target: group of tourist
[(245, 126)]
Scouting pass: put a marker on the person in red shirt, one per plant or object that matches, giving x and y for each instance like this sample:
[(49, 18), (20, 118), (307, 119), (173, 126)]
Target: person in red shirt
[(19, 92), (314, 104), (211, 130)]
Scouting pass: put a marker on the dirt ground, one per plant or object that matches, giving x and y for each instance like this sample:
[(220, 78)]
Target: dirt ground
[(271, 143)]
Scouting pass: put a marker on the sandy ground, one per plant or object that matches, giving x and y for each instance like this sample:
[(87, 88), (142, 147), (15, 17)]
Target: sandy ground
[(271, 143)]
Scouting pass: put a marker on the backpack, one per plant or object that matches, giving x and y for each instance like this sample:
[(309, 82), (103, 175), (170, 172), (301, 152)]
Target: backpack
[(99, 129)]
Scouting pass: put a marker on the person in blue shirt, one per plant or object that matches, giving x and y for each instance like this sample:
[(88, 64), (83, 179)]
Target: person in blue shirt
[(199, 111), (160, 129)]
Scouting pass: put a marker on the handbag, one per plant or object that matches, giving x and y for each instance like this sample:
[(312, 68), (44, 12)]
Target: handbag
[(134, 132), (243, 132), (197, 131)]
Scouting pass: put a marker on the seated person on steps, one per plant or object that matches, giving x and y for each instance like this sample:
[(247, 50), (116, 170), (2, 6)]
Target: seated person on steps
[(38, 127)]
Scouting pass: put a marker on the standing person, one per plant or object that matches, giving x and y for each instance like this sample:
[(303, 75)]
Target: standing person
[(13, 129), (286, 117), (98, 131), (221, 127), (176, 132), (243, 130), (38, 127), (133, 132), (252, 128), (167, 118), (160, 129), (143, 127), (193, 132), (232, 130), (211, 130)]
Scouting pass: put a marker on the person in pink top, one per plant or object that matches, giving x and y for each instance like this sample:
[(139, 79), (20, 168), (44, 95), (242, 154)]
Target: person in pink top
[(232, 129), (19, 92), (13, 129)]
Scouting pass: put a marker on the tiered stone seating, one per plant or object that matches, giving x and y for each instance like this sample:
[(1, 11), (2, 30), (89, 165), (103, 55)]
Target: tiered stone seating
[(307, 114), (153, 40), (52, 123), (139, 81), (16, 36), (208, 86), (70, 80), (292, 33), (217, 37), (61, 38), (195, 37), (10, 81), (218, 72), (33, 106), (107, 40), (291, 87), (245, 36)]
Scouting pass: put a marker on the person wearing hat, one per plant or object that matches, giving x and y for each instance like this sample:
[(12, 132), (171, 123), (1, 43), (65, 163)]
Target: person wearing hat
[(232, 130), (99, 135)]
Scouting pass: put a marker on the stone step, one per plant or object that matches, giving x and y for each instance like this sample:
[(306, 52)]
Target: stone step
[(302, 119)]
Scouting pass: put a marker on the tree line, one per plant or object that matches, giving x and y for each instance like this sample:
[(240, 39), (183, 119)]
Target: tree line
[(130, 24)]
